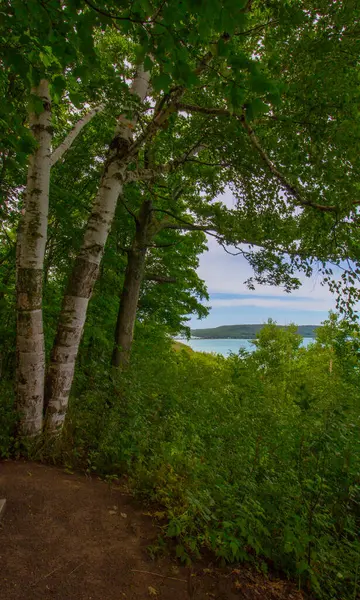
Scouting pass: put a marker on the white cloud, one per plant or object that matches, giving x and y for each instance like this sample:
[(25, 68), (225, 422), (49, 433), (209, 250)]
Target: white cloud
[(226, 274)]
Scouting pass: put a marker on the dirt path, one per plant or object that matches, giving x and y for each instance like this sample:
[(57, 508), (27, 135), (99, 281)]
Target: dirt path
[(67, 537)]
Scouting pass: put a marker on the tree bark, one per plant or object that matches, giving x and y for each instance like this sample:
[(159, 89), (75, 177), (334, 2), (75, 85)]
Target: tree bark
[(30, 260), (129, 297), (86, 267)]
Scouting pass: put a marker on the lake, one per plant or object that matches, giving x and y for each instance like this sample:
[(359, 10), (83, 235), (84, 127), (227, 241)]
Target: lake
[(226, 346)]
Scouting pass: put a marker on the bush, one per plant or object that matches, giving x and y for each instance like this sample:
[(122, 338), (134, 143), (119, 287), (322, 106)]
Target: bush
[(255, 457)]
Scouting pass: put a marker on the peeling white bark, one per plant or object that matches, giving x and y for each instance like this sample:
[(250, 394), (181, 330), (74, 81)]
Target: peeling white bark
[(85, 271), (72, 135), (30, 261)]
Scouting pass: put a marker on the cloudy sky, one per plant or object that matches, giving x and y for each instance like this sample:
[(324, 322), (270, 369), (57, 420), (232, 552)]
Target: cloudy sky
[(233, 303)]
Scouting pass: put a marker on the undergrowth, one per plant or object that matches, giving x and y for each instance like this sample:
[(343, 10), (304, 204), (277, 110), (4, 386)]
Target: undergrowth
[(255, 457)]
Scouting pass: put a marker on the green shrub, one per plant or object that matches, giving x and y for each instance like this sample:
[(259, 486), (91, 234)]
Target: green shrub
[(255, 457)]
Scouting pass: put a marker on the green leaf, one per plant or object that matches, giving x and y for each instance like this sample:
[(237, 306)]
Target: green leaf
[(26, 143), (258, 107), (261, 84), (58, 85), (148, 63), (236, 96), (82, 72), (77, 99), (223, 48), (161, 82), (35, 104)]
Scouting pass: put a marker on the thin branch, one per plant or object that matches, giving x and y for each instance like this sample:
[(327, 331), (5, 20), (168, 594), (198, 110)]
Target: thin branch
[(149, 174), (4, 258), (207, 164), (222, 244), (257, 28), (160, 278), (170, 245), (220, 112), (134, 216), (168, 106), (187, 226), (293, 191), (153, 172), (170, 214), (110, 16)]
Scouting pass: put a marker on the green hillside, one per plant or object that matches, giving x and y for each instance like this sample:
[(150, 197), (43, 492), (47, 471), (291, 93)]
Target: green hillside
[(245, 332)]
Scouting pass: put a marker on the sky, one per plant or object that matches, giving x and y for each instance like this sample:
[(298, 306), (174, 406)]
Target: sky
[(233, 303)]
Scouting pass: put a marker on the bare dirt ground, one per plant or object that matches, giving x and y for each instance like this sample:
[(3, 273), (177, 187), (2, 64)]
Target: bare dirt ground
[(69, 537)]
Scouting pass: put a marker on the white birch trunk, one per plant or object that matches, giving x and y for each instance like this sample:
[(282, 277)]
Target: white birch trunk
[(86, 267), (30, 262)]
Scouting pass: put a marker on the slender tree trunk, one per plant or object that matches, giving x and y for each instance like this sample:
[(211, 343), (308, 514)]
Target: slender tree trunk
[(86, 268), (129, 297), (30, 262)]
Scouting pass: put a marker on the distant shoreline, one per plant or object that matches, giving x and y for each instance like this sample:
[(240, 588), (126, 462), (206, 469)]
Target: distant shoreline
[(246, 332), (229, 337)]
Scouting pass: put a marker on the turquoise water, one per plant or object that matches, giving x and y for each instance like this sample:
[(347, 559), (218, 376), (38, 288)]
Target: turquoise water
[(224, 347)]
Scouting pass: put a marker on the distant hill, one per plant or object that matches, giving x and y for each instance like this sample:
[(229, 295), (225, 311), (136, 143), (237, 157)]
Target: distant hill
[(245, 332)]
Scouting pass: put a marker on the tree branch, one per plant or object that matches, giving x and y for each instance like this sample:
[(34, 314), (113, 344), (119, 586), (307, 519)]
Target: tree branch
[(166, 107), (292, 189), (115, 17), (220, 112), (160, 278), (134, 216), (151, 173), (187, 226), (71, 137), (167, 225)]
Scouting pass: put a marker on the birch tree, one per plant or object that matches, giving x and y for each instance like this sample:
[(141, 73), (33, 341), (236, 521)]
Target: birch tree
[(42, 66), (31, 245), (31, 250), (86, 267)]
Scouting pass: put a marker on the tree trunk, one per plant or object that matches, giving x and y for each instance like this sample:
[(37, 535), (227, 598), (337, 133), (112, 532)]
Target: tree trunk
[(29, 283), (129, 297), (86, 268)]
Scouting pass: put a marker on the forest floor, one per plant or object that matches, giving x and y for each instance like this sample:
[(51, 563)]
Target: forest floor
[(71, 537)]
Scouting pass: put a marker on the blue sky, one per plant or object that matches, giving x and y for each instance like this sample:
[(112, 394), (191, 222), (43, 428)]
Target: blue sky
[(233, 303)]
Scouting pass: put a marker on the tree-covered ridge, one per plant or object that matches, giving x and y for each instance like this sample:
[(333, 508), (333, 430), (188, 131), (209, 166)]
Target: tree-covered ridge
[(247, 331)]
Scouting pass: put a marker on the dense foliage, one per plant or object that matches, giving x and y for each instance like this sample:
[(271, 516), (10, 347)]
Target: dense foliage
[(255, 457)]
